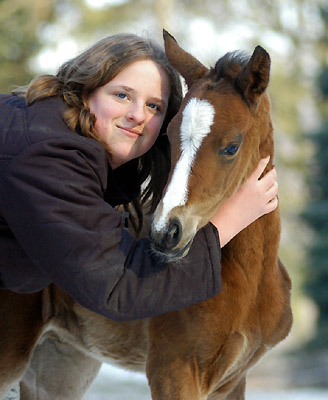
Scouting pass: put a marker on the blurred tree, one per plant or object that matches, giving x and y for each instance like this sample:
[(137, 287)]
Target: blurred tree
[(316, 212), (19, 24)]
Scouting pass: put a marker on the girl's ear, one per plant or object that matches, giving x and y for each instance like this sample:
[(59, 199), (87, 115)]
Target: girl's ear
[(187, 65)]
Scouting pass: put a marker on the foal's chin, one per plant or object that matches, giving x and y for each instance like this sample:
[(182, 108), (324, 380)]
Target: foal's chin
[(174, 255)]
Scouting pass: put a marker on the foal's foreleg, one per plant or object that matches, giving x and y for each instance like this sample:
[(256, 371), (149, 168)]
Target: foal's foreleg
[(58, 371), (176, 381), (20, 328), (237, 393)]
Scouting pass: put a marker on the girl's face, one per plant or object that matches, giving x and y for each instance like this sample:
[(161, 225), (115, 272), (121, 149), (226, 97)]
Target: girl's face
[(130, 110)]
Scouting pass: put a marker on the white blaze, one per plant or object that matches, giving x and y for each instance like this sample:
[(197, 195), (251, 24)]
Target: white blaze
[(197, 118)]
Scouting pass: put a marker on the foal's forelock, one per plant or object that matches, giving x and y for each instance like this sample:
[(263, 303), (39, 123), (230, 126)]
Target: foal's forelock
[(230, 63), (197, 119)]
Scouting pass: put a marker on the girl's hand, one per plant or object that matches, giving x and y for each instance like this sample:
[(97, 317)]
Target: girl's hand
[(254, 199)]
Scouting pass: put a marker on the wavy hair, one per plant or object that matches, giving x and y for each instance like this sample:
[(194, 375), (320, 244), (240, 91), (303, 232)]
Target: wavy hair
[(77, 78)]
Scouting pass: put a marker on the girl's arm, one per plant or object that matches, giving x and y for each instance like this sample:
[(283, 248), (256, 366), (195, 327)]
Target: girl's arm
[(254, 199)]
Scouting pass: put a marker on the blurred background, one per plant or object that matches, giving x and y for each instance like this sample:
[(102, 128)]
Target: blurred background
[(38, 35)]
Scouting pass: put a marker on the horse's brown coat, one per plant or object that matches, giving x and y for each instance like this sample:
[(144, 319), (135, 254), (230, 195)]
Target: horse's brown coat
[(200, 352)]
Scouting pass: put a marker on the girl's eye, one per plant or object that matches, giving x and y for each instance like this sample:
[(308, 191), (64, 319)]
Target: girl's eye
[(154, 107), (121, 95)]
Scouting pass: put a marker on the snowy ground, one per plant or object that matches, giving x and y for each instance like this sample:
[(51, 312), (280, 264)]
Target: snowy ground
[(116, 384)]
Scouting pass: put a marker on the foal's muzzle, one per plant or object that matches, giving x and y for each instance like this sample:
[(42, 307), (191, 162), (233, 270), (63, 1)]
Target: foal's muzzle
[(166, 241)]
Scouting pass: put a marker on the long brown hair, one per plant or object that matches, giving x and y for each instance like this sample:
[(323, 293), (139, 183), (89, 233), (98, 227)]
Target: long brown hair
[(77, 78)]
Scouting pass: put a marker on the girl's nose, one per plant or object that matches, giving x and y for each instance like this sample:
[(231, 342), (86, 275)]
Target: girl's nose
[(136, 113)]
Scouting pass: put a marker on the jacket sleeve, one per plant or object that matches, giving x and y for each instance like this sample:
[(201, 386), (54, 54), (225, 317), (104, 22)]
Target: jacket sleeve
[(51, 196)]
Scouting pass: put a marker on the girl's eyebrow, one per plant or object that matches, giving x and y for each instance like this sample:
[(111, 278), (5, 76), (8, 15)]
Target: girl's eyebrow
[(126, 88), (158, 101), (123, 87)]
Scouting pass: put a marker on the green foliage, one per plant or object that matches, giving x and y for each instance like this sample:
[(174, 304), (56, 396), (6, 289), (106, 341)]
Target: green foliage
[(316, 212), (316, 216), (19, 24), (322, 81)]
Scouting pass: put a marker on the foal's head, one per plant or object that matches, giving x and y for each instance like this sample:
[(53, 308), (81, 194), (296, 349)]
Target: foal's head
[(220, 133)]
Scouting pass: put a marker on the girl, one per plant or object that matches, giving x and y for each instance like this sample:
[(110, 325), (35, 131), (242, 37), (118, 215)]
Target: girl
[(77, 145)]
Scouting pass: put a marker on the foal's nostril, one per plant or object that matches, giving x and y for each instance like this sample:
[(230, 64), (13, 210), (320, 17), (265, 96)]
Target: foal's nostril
[(166, 240), (174, 233)]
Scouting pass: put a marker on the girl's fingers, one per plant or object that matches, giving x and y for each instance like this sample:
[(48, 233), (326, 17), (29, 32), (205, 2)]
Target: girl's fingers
[(260, 168), (272, 192), (272, 205), (269, 179)]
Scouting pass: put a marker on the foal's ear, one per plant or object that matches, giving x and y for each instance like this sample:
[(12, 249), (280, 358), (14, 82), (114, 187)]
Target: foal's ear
[(253, 78), (187, 65)]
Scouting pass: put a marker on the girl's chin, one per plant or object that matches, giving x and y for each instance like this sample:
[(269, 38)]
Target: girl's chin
[(117, 161)]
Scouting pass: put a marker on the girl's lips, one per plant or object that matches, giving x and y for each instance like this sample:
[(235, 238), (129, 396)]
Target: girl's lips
[(133, 131)]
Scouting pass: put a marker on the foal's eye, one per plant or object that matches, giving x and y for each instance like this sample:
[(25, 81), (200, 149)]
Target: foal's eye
[(230, 150)]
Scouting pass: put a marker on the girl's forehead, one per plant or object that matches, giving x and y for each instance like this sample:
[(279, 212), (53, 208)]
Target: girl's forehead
[(144, 76), (142, 68)]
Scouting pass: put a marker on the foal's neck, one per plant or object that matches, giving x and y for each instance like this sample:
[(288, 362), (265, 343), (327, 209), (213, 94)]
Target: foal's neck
[(256, 247)]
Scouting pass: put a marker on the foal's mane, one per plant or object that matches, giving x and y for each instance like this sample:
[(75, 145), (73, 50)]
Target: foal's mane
[(227, 67), (230, 64), (233, 70)]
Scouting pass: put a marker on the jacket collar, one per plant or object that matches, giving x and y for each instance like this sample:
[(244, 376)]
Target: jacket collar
[(123, 184)]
